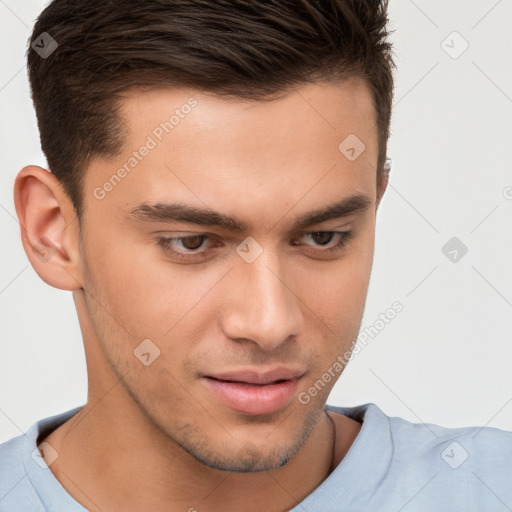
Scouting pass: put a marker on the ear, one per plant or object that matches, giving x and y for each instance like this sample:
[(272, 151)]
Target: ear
[(49, 228), (383, 180)]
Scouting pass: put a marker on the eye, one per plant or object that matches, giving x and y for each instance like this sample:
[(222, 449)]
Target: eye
[(188, 246), (324, 239), (193, 246)]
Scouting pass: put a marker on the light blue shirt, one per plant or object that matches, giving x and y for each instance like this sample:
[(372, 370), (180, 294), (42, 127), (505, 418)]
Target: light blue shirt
[(392, 466)]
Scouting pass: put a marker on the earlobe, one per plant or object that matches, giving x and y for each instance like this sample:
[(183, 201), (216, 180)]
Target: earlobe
[(49, 228)]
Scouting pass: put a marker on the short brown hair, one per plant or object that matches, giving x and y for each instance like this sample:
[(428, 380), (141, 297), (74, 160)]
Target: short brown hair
[(250, 49)]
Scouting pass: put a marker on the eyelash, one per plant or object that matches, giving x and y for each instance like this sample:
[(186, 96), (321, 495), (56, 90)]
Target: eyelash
[(166, 244)]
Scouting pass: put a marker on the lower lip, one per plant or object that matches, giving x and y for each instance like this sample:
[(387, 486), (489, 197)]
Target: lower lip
[(253, 398)]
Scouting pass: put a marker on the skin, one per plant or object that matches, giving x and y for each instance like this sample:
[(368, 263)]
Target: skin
[(155, 437)]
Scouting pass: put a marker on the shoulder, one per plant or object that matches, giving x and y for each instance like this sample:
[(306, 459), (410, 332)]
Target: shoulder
[(26, 482), (411, 440), (16, 491), (432, 465), (477, 445), (472, 465)]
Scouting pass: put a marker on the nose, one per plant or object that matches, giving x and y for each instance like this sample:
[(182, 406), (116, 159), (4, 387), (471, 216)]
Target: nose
[(263, 305)]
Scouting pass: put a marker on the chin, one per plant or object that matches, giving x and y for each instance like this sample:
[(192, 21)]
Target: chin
[(253, 456), (249, 459)]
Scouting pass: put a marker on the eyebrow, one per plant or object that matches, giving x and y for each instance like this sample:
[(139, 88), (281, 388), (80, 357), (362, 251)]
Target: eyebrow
[(179, 212)]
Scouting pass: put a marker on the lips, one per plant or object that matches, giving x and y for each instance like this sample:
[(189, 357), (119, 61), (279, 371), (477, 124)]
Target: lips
[(253, 393)]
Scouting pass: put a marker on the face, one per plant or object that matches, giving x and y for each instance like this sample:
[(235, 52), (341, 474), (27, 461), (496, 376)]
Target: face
[(219, 293)]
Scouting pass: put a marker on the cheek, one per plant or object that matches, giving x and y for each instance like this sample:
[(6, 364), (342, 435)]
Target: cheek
[(337, 292), (144, 294), (336, 299)]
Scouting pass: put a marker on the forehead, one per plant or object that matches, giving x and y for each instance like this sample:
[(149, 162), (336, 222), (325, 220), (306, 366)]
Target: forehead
[(341, 107), (239, 155)]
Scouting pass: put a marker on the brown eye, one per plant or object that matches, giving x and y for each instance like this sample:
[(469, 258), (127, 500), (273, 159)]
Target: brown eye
[(325, 242), (186, 247), (192, 242), (322, 237)]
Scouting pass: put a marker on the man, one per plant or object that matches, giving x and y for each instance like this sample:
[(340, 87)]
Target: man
[(216, 170)]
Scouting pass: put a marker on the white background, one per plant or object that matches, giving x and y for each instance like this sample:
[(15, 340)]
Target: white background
[(447, 357)]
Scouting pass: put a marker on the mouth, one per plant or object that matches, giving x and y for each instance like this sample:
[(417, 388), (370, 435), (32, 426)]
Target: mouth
[(254, 393)]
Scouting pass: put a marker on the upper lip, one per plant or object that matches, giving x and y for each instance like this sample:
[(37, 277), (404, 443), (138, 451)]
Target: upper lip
[(251, 376)]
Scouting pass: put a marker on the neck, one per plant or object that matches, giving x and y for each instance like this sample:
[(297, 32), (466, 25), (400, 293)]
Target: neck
[(111, 457)]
